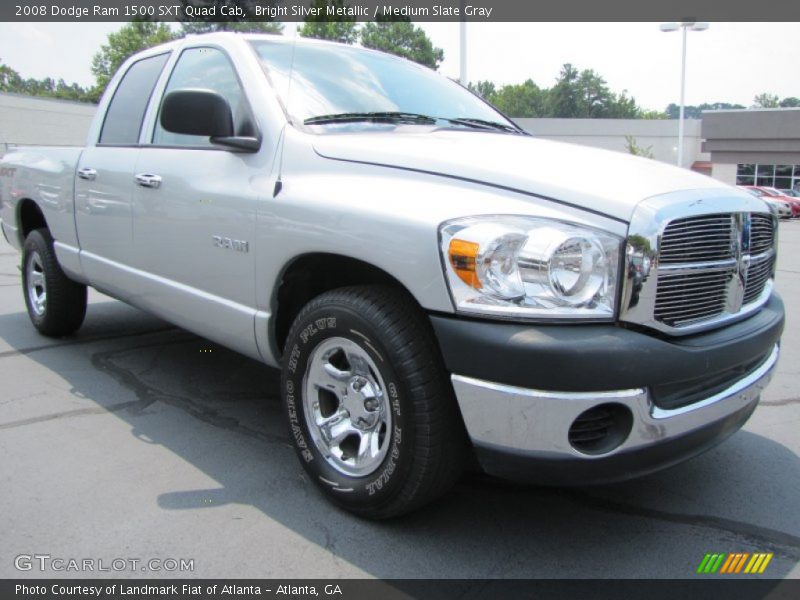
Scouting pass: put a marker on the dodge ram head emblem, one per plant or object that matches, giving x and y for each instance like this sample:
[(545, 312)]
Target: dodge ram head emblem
[(742, 253)]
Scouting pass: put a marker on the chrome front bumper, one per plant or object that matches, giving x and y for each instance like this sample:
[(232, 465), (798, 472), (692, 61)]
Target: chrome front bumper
[(535, 423)]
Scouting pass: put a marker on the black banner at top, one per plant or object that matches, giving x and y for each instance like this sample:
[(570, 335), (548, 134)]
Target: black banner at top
[(414, 10)]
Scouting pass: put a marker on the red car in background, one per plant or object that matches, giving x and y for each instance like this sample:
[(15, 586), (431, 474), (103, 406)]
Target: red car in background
[(773, 193)]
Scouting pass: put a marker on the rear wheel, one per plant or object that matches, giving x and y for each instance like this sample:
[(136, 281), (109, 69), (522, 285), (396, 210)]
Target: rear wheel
[(56, 304), (370, 407)]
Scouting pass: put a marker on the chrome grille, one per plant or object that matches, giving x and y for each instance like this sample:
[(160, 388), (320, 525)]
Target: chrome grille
[(762, 234), (698, 239), (758, 274), (707, 247), (686, 298), (693, 263)]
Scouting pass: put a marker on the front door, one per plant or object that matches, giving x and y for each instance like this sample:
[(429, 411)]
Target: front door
[(195, 214)]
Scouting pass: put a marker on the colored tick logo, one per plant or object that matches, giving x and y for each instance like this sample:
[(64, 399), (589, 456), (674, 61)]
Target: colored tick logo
[(735, 562)]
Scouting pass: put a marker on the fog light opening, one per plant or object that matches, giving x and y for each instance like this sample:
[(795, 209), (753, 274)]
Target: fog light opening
[(601, 429)]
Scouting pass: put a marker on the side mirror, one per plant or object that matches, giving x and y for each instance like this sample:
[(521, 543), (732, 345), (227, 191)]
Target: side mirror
[(204, 113)]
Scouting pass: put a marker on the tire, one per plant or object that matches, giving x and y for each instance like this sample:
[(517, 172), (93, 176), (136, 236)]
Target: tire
[(361, 363), (56, 304)]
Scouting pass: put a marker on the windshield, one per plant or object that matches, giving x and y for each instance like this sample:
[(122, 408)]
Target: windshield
[(330, 80)]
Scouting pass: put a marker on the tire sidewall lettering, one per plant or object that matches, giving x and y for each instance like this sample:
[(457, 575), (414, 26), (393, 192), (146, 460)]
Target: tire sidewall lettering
[(384, 481)]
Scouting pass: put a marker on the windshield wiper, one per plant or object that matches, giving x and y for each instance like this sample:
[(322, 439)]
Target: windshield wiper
[(374, 117), (407, 117), (483, 124)]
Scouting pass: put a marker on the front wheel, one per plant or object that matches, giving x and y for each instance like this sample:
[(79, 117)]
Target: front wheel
[(56, 304), (371, 411)]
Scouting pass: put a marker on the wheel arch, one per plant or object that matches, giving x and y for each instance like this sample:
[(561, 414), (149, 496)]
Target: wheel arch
[(307, 276), (29, 217)]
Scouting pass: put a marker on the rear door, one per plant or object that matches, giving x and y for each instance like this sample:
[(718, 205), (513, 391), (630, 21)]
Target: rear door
[(105, 177)]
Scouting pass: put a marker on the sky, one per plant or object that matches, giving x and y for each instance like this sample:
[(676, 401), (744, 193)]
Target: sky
[(730, 62)]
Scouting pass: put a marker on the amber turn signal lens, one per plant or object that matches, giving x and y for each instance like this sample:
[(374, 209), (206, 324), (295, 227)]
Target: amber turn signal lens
[(462, 257)]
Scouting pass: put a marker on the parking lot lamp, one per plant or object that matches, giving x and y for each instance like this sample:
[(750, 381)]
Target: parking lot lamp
[(684, 26)]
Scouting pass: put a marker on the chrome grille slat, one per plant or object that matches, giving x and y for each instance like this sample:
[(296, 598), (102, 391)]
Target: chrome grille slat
[(719, 227), (709, 226), (711, 233), (692, 317), (668, 289), (708, 240), (683, 239), (699, 276), (716, 227), (697, 255), (680, 303), (699, 246)]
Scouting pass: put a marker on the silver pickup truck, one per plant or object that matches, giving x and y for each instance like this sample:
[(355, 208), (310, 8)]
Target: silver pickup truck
[(440, 289)]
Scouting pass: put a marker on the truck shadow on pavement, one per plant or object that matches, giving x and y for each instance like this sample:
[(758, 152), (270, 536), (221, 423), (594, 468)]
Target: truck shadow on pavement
[(220, 412)]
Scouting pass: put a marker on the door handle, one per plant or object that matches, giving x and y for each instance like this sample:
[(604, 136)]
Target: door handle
[(87, 173), (147, 180)]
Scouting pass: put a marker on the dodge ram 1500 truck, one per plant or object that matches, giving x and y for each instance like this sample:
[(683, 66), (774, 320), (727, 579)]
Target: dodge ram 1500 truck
[(439, 288)]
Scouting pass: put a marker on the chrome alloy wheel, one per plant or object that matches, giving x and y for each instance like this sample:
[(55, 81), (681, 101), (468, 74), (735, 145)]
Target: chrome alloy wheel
[(346, 407), (37, 286)]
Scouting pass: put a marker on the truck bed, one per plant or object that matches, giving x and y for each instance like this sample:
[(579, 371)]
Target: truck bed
[(45, 174)]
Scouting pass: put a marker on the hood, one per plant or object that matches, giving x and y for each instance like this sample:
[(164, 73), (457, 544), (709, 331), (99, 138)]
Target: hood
[(612, 183)]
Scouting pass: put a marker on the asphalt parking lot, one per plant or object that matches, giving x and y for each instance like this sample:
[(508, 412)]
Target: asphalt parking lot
[(135, 439)]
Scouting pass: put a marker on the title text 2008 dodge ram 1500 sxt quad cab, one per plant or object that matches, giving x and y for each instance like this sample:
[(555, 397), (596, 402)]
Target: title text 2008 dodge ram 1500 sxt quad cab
[(434, 283)]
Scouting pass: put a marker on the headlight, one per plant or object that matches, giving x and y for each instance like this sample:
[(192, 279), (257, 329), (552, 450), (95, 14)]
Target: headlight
[(530, 267)]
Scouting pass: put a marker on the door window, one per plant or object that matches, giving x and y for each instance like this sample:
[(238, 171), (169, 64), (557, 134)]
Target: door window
[(206, 69)]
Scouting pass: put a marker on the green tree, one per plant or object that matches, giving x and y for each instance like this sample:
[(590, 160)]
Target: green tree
[(766, 101), (129, 39), (403, 38), (71, 91), (484, 89), (335, 27), (563, 98), (646, 113), (228, 23), (622, 106), (790, 102), (584, 94), (521, 100), (196, 27), (695, 112), (10, 81)]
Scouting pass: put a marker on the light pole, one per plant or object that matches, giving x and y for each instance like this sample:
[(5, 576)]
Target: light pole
[(684, 26), (462, 56)]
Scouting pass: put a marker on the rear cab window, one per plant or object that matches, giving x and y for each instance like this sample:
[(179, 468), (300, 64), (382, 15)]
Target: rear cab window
[(125, 114)]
